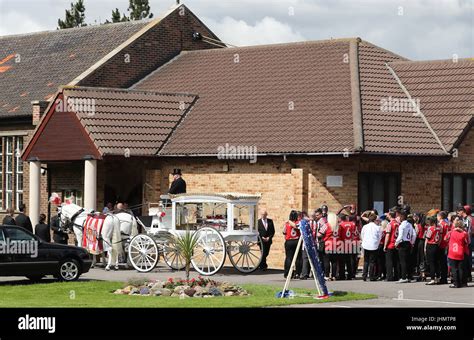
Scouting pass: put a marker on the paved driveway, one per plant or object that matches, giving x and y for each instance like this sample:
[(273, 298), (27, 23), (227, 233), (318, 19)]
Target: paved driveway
[(390, 294)]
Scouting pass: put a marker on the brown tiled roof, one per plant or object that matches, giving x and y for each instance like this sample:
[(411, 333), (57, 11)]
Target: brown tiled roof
[(446, 92), (392, 131), (33, 66), (126, 121), (249, 102), (246, 102)]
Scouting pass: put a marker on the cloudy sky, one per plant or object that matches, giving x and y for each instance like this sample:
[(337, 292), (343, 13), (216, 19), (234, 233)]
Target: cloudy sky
[(417, 29)]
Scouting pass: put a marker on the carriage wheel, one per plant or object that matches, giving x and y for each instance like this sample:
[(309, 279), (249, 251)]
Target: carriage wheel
[(209, 254), (143, 253), (244, 255), (173, 257)]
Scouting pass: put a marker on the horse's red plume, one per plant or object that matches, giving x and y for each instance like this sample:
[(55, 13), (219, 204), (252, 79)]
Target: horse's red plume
[(55, 199)]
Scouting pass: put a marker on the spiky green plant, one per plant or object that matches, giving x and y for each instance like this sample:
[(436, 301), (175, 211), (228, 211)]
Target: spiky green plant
[(185, 244)]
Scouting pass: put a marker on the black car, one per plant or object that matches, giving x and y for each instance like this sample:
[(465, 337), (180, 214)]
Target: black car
[(25, 254)]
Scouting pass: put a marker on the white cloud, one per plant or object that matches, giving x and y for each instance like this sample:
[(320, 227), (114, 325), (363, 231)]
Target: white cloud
[(16, 23), (265, 31)]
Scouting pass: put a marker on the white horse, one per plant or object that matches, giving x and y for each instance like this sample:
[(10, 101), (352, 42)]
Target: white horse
[(116, 227)]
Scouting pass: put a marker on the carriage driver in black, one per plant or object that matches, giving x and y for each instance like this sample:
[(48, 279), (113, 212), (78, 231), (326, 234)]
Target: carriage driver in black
[(178, 186)]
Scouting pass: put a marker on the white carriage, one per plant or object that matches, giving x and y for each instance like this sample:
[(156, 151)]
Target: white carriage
[(226, 223)]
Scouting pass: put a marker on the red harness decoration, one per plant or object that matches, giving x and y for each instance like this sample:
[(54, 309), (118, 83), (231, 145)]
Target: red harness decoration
[(91, 239)]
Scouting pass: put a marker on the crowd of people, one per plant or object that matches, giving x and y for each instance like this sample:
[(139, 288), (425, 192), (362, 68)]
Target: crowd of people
[(396, 246)]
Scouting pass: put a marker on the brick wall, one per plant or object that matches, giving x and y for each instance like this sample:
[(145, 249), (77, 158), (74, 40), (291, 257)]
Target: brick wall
[(297, 183), (300, 183)]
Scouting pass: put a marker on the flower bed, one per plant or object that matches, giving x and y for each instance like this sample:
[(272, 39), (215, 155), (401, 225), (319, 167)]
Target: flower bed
[(197, 288)]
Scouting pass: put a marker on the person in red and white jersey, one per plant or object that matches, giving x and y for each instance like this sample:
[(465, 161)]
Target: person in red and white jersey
[(465, 214), (292, 235), (458, 249), (326, 241), (443, 247), (347, 231), (392, 266), (432, 240), (420, 229)]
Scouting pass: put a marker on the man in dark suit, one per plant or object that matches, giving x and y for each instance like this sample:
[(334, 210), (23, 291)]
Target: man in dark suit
[(22, 220), (9, 219), (59, 234), (42, 230), (266, 229), (178, 186)]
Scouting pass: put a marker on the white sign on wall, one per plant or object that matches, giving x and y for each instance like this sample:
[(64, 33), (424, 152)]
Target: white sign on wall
[(334, 181)]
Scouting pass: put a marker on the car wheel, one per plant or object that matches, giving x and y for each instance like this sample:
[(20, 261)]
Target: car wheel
[(69, 270), (35, 278)]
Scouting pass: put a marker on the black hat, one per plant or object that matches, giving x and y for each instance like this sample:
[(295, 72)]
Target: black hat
[(176, 172)]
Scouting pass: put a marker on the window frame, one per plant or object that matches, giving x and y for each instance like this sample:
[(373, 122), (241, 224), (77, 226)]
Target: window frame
[(450, 176), (78, 199), (18, 173), (11, 198), (386, 176), (9, 202)]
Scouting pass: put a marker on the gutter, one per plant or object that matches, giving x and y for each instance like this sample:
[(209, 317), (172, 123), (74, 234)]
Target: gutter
[(355, 94)]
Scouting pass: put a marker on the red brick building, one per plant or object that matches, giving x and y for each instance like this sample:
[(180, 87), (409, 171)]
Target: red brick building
[(325, 122)]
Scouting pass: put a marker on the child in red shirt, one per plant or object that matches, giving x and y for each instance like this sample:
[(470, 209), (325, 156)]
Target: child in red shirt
[(457, 250), (433, 239)]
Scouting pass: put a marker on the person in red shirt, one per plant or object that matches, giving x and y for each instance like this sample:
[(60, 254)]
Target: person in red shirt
[(443, 246), (326, 237), (292, 236), (346, 235), (420, 229), (458, 249), (432, 240), (391, 253)]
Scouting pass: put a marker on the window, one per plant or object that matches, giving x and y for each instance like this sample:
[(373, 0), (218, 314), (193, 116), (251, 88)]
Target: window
[(457, 189), (11, 172), (16, 234), (194, 216), (378, 190), (8, 172), (73, 195), (19, 172)]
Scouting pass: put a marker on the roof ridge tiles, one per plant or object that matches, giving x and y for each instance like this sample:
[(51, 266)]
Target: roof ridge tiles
[(286, 44), (75, 29), (431, 61), (127, 90)]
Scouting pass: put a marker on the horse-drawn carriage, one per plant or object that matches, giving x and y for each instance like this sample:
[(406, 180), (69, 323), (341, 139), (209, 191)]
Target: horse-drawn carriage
[(226, 224)]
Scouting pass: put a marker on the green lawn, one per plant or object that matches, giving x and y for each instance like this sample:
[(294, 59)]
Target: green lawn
[(98, 294)]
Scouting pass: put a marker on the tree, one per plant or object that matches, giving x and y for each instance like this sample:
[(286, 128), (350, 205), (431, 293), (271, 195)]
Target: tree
[(75, 17), (139, 9), (117, 17)]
